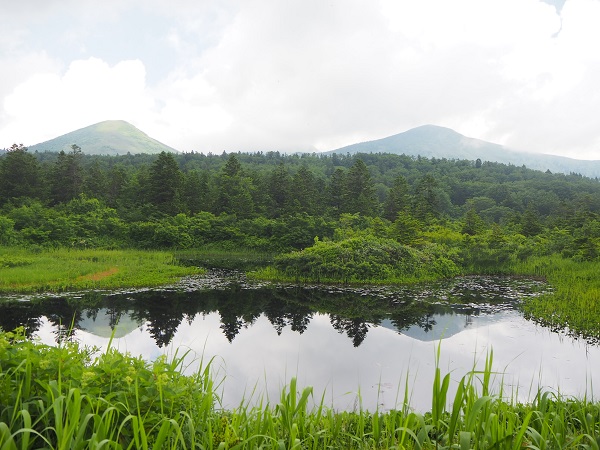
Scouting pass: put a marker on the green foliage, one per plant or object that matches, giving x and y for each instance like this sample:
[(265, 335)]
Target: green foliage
[(426, 201), (364, 259), (398, 199), (164, 184), (492, 252), (19, 174), (359, 191), (63, 397), (66, 176), (406, 229), (574, 302), (472, 222), (145, 189), (7, 231)]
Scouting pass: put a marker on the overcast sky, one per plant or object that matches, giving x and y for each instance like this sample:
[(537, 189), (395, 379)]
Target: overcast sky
[(304, 74)]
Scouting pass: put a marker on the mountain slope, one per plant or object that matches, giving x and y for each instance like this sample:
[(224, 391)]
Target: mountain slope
[(111, 137), (439, 142)]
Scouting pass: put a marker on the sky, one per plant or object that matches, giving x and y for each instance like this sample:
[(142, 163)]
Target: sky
[(304, 75)]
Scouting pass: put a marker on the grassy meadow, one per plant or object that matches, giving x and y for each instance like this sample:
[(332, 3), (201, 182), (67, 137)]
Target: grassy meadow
[(23, 271)]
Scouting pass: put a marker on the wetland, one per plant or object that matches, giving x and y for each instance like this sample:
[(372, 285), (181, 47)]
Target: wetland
[(358, 346)]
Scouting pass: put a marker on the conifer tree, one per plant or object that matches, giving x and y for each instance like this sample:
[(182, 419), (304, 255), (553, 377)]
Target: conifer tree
[(305, 192), (164, 184), (19, 174), (397, 200), (235, 190), (67, 176), (359, 192)]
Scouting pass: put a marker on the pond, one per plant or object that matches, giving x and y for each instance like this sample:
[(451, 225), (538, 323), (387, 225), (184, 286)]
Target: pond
[(358, 347)]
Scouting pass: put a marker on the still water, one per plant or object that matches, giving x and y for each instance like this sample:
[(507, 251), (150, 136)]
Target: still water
[(354, 346)]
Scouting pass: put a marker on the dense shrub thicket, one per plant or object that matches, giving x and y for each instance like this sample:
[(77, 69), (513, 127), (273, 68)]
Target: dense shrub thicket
[(365, 258)]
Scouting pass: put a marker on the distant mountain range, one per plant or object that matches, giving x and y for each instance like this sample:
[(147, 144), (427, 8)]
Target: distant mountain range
[(117, 137), (111, 137), (439, 142)]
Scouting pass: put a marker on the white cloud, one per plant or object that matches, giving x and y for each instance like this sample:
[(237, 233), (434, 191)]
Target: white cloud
[(49, 104), (263, 74), (190, 112)]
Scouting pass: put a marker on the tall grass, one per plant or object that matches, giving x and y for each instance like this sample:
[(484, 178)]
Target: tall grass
[(65, 397), (239, 259), (574, 304), (70, 269)]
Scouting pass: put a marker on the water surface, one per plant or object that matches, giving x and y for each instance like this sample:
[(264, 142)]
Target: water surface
[(355, 345)]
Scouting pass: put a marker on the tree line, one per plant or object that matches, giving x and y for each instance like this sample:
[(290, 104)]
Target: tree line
[(275, 202)]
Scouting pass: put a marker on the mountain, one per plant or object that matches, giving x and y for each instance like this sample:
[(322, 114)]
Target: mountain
[(102, 324), (111, 137), (439, 142)]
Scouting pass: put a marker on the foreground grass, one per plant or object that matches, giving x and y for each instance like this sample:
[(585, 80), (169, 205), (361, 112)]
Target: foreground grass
[(68, 269), (64, 397)]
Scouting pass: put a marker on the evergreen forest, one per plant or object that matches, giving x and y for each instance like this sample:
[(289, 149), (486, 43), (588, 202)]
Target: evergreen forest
[(471, 216)]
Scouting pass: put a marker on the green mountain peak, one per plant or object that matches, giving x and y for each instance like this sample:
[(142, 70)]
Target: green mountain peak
[(111, 137)]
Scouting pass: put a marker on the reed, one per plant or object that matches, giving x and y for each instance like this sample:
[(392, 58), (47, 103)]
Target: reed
[(574, 304), (67, 397), (71, 269), (270, 273), (239, 259)]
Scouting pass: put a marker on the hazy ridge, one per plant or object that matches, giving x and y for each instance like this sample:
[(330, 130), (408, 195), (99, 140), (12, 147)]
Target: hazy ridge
[(118, 137), (432, 141)]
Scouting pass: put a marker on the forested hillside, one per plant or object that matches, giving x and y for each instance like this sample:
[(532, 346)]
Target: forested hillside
[(475, 214), (432, 141)]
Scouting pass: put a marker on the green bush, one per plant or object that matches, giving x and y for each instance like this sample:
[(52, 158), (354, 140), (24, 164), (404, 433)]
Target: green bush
[(365, 259)]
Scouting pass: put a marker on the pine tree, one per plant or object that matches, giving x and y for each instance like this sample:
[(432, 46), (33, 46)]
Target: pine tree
[(359, 192), (472, 223), (426, 200), (164, 184), (279, 188), (235, 190), (305, 192), (67, 176), (19, 174), (336, 190), (194, 192), (397, 200)]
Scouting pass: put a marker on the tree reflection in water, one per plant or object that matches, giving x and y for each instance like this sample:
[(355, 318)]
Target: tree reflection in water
[(356, 329), (351, 311)]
